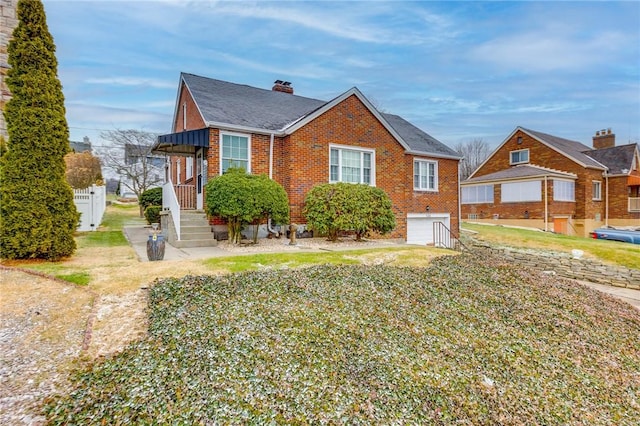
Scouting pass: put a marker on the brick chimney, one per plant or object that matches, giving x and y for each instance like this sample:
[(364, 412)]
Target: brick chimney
[(282, 86), (604, 139)]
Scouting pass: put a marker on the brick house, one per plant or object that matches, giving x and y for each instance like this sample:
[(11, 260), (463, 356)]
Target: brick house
[(301, 142), (538, 180)]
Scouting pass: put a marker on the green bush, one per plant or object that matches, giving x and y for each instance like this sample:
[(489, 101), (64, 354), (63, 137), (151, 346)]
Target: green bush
[(152, 214), (242, 198), (334, 208), (151, 197)]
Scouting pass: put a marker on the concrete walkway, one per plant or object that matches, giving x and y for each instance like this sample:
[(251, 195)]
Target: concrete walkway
[(628, 295), (139, 235)]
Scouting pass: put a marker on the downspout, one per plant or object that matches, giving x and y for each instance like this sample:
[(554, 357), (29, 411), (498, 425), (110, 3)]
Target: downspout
[(459, 198), (606, 199), (269, 225), (546, 206), (271, 156)]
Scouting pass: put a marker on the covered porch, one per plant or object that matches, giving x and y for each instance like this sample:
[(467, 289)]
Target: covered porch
[(186, 172), (190, 144)]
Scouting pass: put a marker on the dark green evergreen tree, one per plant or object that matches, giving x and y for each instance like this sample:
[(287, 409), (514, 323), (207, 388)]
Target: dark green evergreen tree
[(37, 213)]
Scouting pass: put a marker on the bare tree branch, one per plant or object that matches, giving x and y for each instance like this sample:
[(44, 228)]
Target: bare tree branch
[(474, 153), (131, 158)]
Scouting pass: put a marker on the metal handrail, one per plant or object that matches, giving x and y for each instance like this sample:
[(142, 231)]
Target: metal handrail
[(444, 237)]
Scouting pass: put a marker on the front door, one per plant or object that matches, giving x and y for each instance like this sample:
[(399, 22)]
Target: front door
[(200, 181)]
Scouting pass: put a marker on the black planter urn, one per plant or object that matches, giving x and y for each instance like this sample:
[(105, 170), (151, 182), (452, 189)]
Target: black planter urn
[(155, 247)]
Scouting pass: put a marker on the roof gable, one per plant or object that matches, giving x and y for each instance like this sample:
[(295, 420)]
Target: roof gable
[(572, 150)]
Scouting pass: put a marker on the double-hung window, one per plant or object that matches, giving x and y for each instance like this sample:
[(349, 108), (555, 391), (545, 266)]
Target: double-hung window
[(235, 151), (597, 190), (189, 167), (351, 165), (425, 175), (519, 157)]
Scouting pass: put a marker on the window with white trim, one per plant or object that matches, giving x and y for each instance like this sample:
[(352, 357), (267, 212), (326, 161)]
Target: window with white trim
[(564, 190), (477, 194), (236, 152), (597, 190), (351, 165), (521, 191), (189, 168), (425, 175), (519, 157)]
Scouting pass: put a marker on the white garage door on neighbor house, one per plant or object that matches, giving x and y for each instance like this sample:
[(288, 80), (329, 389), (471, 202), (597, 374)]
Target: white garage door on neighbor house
[(420, 226)]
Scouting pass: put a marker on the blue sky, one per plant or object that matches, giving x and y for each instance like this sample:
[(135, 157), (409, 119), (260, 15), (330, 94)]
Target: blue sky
[(457, 70)]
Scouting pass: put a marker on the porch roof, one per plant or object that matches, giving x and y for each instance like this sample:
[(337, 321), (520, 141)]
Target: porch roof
[(182, 143), (633, 180), (521, 171)]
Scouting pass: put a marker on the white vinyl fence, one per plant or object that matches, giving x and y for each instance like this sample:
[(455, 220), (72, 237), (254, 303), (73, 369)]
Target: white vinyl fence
[(91, 203)]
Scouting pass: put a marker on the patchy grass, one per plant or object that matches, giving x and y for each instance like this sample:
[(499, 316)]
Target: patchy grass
[(102, 239), (419, 256), (457, 342), (79, 278), (611, 252), (119, 215)]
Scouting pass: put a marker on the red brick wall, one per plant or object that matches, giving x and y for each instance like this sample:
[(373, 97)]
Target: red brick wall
[(194, 119), (306, 163), (619, 193)]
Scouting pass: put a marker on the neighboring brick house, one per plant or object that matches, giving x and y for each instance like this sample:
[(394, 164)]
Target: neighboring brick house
[(538, 180), (300, 142)]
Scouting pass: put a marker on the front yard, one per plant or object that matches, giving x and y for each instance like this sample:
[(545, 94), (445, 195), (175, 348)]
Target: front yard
[(297, 340), (461, 341)]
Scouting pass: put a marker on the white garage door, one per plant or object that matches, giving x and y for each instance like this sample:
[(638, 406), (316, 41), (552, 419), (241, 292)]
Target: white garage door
[(420, 227)]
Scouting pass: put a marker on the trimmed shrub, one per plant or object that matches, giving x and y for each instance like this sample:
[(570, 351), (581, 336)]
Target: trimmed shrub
[(151, 197), (152, 214), (342, 207), (242, 198)]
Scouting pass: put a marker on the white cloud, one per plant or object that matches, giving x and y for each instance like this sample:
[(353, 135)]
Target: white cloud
[(132, 81), (544, 50)]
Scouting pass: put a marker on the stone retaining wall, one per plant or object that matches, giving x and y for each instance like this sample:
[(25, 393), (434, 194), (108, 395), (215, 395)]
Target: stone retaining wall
[(565, 265)]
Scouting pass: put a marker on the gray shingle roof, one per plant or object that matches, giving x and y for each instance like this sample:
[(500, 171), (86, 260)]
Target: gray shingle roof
[(572, 149), (417, 139), (246, 106), (240, 105), (616, 158), (520, 171)]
